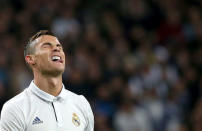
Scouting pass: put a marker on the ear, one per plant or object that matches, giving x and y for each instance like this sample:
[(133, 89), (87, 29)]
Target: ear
[(30, 60)]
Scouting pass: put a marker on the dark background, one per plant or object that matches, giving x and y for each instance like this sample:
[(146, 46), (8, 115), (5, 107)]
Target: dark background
[(138, 62)]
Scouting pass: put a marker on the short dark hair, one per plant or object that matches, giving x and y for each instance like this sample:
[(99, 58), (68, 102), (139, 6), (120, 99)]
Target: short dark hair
[(28, 49)]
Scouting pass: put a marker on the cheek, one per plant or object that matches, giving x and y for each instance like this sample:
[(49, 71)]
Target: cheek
[(42, 59), (64, 55)]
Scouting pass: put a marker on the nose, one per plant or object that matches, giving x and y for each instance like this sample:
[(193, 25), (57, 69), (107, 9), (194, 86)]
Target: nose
[(56, 49)]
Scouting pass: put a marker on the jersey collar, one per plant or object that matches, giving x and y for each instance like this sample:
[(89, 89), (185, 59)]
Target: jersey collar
[(45, 96)]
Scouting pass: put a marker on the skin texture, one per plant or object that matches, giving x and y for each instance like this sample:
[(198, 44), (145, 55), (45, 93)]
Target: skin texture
[(47, 73)]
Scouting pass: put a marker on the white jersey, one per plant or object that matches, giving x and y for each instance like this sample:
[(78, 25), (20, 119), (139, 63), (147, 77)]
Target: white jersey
[(36, 110)]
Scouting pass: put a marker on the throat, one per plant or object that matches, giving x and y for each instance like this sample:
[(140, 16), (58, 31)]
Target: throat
[(52, 86), (55, 91)]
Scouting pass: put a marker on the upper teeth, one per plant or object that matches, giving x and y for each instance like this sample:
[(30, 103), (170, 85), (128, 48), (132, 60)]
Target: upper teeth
[(55, 58)]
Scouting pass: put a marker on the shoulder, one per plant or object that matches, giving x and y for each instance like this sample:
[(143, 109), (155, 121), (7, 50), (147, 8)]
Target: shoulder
[(75, 98), (79, 101), (17, 104), (16, 101)]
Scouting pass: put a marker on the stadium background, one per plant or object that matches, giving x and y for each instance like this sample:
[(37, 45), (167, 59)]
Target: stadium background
[(138, 62)]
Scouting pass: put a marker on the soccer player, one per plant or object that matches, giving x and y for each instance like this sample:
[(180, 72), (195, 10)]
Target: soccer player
[(46, 105)]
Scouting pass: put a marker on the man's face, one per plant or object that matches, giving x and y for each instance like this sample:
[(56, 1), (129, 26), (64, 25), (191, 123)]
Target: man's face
[(48, 55)]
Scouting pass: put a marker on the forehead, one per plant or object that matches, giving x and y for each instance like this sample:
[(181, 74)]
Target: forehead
[(46, 39)]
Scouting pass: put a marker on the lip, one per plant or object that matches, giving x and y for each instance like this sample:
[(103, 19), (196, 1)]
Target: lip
[(60, 61)]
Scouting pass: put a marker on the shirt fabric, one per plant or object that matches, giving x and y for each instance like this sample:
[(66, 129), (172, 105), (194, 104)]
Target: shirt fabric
[(36, 110)]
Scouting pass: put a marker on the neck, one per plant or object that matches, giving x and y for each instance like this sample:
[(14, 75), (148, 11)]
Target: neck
[(51, 85)]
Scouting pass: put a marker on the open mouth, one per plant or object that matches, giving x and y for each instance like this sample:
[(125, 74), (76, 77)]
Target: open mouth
[(57, 59)]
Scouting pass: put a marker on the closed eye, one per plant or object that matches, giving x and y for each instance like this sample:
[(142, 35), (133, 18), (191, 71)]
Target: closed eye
[(59, 45), (45, 45)]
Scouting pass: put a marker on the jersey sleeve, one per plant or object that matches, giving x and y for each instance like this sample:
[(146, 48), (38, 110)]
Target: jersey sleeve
[(11, 118), (89, 115)]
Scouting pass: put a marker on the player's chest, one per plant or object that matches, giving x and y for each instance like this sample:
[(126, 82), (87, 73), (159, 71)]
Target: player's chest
[(56, 117)]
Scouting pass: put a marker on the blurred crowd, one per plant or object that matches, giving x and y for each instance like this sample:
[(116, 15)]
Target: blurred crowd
[(138, 62)]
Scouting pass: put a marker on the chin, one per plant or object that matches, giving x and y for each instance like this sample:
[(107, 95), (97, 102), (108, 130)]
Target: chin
[(53, 72), (59, 71)]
